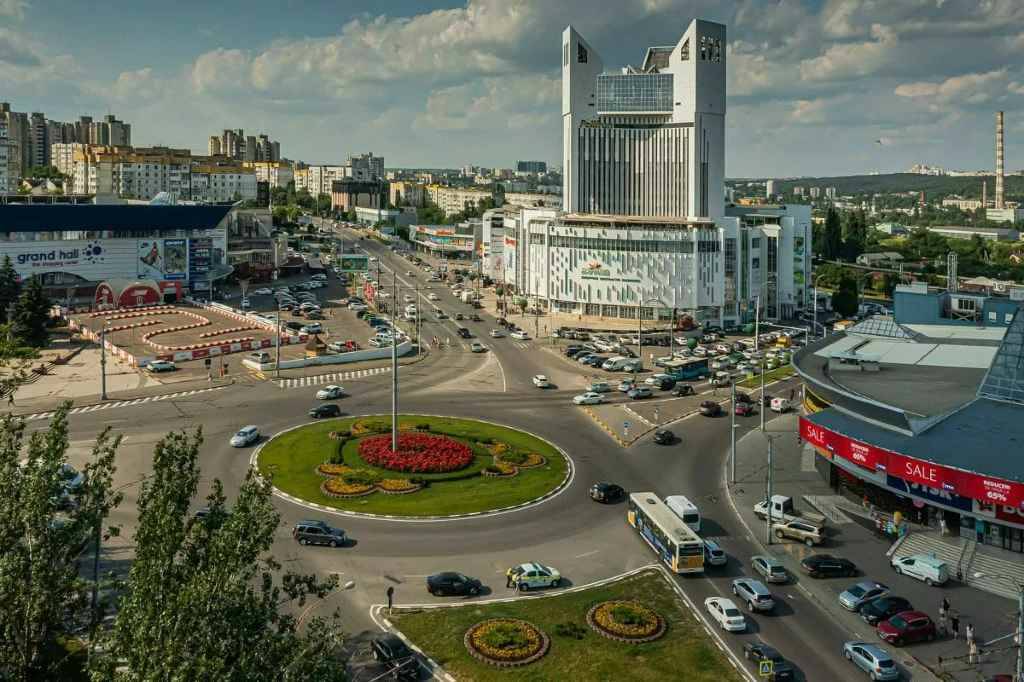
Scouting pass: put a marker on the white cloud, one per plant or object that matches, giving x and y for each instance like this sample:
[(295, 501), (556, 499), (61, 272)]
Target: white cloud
[(221, 71), (13, 8), (852, 60), (509, 103), (973, 88)]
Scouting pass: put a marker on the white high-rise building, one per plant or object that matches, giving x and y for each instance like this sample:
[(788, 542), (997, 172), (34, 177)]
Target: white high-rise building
[(769, 188), (6, 153), (646, 140)]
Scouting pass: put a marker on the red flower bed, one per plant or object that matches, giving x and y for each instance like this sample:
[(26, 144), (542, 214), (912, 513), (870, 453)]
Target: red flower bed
[(417, 453)]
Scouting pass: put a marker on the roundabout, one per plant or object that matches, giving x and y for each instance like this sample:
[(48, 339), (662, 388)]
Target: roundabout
[(444, 467)]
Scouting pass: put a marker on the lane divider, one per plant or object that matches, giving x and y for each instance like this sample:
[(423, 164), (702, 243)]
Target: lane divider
[(604, 426)]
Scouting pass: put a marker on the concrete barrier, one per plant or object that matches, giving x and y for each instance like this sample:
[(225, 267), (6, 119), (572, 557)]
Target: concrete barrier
[(404, 348)]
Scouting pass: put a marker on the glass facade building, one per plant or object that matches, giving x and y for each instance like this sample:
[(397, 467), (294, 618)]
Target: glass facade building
[(634, 92)]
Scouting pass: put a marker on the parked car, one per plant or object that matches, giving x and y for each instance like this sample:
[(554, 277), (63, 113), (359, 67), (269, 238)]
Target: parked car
[(682, 390), (754, 594), (709, 408), (606, 492), (572, 351), (452, 583), (925, 567), (626, 385), (325, 410), (855, 596), (262, 291), (724, 612), (310, 532), (541, 381), (714, 554), (531, 575), (828, 566), (588, 398), (884, 608), (315, 328), (781, 669), (245, 436), (664, 383), (798, 530), (161, 366), (664, 437), (770, 569), (872, 659), (906, 628), (331, 392), (639, 393)]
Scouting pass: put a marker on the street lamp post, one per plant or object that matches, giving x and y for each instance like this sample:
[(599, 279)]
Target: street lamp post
[(394, 368), (732, 433), (816, 304), (277, 362), (768, 497), (103, 361), (640, 326), (1018, 636)]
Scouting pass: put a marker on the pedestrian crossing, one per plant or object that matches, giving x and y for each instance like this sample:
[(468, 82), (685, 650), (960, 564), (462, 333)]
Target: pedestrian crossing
[(124, 403), (304, 382)]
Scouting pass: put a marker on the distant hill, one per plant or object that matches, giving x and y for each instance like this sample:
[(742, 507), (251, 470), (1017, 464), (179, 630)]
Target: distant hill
[(901, 182)]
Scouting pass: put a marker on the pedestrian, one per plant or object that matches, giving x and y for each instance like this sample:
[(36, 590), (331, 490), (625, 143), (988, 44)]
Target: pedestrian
[(944, 607), (969, 633), (508, 579), (942, 525), (942, 623), (954, 625), (972, 652)]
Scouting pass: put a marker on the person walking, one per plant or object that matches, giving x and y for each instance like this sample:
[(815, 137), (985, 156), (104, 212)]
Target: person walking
[(969, 634), (972, 652), (942, 622), (954, 625), (508, 579), (944, 607)]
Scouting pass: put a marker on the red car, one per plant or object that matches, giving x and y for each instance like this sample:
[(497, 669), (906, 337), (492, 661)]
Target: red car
[(743, 409), (906, 628)]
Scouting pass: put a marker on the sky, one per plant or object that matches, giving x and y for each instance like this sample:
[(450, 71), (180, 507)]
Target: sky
[(815, 87)]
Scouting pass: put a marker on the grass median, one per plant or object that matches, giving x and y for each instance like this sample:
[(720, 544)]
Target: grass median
[(684, 652), (291, 459), (776, 374)]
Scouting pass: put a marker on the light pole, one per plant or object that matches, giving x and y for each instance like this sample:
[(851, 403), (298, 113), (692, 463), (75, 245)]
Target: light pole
[(277, 362), (732, 433), (1018, 636), (103, 360), (819, 276), (640, 326), (394, 366), (762, 407), (768, 497)]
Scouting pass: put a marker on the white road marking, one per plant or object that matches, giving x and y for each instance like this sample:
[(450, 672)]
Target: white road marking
[(586, 554), (121, 403), (303, 382)]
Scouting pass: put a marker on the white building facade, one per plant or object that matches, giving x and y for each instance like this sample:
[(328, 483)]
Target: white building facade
[(6, 154)]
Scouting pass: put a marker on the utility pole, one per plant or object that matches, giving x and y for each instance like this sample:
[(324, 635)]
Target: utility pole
[(768, 499), (394, 369), (732, 435), (757, 323), (277, 362), (763, 407), (103, 361), (1020, 633)]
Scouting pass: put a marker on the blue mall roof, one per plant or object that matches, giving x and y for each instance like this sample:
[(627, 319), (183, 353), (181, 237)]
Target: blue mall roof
[(46, 217)]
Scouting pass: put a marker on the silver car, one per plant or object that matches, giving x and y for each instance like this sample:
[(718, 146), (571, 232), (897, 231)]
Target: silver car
[(860, 594), (754, 593), (872, 659), (770, 569)]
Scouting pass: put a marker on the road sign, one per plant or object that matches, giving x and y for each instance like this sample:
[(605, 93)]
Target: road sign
[(765, 668), (625, 425)]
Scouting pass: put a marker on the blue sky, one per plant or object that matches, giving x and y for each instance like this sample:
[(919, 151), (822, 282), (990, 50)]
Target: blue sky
[(813, 84)]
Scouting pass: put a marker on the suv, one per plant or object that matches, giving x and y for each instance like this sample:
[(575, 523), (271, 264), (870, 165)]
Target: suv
[(463, 332), (325, 410), (754, 593), (799, 530), (310, 532), (872, 659), (826, 566)]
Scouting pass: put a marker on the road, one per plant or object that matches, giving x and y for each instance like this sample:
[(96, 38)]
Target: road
[(586, 541)]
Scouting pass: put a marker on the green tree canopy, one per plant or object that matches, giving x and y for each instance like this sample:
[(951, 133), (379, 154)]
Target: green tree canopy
[(32, 315), (10, 287), (844, 299)]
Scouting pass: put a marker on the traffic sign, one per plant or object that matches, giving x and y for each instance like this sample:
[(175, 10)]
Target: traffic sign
[(625, 425), (765, 668)]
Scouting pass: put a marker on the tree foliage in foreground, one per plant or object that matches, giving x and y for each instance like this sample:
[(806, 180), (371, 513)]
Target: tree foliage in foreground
[(45, 523), (204, 600)]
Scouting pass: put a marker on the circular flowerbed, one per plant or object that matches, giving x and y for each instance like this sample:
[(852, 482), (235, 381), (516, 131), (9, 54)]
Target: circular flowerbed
[(397, 486), (338, 487), (506, 642), (626, 621), (328, 469), (417, 453)]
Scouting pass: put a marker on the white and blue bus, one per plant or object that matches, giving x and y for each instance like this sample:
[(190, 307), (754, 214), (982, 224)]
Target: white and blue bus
[(678, 546)]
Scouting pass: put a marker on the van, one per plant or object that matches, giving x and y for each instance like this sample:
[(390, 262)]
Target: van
[(925, 567), (615, 364), (781, 405), (685, 510), (721, 379), (260, 357), (599, 387)]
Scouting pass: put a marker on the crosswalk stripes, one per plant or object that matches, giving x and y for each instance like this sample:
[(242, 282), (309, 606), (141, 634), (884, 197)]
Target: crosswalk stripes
[(123, 403), (304, 382)]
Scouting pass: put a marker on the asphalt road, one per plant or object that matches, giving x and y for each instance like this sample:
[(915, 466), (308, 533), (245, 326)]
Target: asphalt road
[(586, 541)]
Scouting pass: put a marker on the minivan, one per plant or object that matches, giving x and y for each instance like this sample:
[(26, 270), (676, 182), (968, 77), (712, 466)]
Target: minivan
[(685, 510), (615, 364), (924, 567)]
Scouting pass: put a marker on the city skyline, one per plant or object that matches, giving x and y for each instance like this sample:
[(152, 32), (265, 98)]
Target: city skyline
[(815, 88)]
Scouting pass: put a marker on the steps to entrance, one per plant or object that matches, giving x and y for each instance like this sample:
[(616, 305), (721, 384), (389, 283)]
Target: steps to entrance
[(997, 575)]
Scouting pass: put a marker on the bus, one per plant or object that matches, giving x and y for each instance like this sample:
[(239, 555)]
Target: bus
[(676, 544), (688, 369)]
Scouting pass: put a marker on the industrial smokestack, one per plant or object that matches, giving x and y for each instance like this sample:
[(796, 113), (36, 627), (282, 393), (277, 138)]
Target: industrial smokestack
[(999, 159)]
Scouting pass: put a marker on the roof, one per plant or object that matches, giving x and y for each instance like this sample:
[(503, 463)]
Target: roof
[(46, 217), (636, 220), (985, 437)]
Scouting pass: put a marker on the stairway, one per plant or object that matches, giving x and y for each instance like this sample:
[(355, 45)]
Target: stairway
[(947, 549), (998, 573)]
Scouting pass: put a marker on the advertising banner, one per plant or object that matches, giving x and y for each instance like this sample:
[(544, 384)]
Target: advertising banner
[(991, 490), (354, 263), (175, 259), (151, 259), (931, 494), (200, 254)]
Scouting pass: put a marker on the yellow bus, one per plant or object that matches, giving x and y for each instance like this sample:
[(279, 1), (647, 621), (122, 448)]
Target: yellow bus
[(677, 545)]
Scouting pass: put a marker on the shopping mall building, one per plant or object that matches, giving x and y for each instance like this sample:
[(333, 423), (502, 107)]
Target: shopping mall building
[(74, 248), (923, 412)]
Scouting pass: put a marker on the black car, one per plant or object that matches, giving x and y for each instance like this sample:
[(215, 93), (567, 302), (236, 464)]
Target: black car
[(682, 389), (709, 408), (885, 608), (450, 582), (595, 360), (325, 410), (476, 318), (757, 652), (664, 437), (606, 492), (502, 322), (665, 383), (744, 398), (572, 351), (463, 332), (392, 651), (828, 566)]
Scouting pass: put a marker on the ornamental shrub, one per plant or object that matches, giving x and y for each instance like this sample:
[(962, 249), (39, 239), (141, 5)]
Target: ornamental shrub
[(570, 630)]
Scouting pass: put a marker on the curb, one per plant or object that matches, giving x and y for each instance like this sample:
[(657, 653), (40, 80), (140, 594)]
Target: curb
[(607, 429), (563, 485)]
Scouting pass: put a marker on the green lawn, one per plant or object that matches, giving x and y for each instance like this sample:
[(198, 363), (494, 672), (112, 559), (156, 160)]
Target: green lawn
[(769, 376), (292, 457), (685, 652)]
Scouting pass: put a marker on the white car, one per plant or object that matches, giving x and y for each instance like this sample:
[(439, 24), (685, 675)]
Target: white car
[(315, 328), (477, 347), (330, 392), (725, 613), (541, 381), (245, 305), (520, 334), (245, 436), (497, 333), (528, 576), (589, 398), (161, 366), (655, 379), (337, 347), (433, 297), (357, 307), (263, 291)]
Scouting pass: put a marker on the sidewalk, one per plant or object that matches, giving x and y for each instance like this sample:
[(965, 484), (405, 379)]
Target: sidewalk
[(849, 536)]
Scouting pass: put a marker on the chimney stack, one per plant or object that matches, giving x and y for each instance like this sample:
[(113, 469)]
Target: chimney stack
[(999, 160)]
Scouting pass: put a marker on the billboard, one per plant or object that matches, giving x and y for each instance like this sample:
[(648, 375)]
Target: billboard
[(175, 259), (354, 262), (151, 259), (200, 256)]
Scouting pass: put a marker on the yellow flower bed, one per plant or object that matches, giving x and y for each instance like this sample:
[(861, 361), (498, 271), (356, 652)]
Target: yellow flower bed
[(364, 427), (627, 619), (337, 486), (498, 449), (327, 469), (533, 459), (396, 485), (504, 467), (505, 639)]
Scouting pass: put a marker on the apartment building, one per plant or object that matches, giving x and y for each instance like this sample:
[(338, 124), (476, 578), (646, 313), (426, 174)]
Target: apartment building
[(405, 193), (276, 173), (6, 151), (454, 200), (221, 183)]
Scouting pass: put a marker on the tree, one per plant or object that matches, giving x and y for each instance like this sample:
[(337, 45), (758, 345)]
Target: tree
[(833, 242), (201, 601), (10, 287), (854, 235), (45, 521), (844, 299), (31, 315)]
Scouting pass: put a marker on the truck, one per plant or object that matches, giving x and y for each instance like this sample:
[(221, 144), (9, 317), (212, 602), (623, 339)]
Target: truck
[(782, 510), (468, 296)]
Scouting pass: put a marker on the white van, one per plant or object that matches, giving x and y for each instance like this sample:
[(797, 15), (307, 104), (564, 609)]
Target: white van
[(781, 405), (615, 364), (721, 379), (925, 567), (685, 510)]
